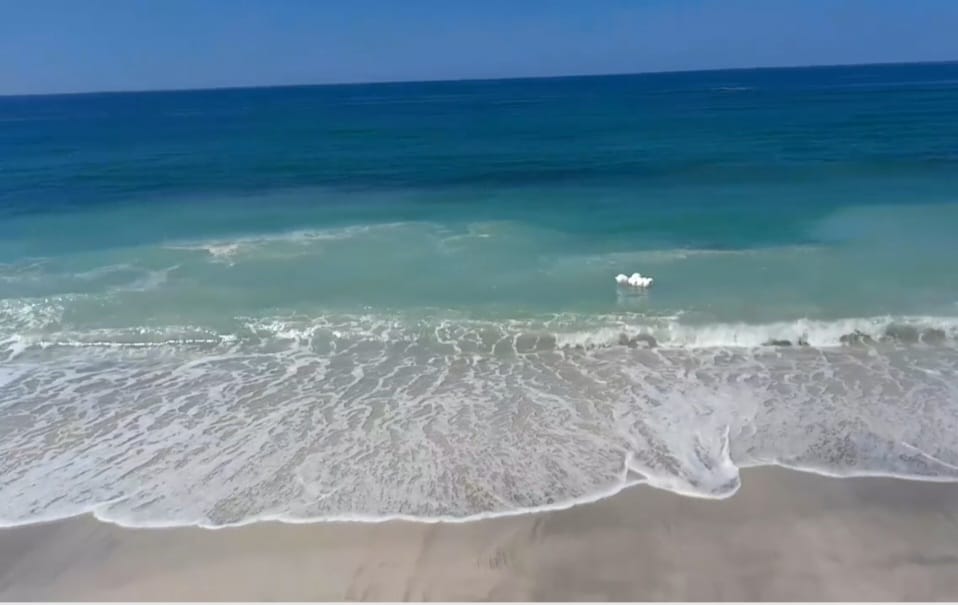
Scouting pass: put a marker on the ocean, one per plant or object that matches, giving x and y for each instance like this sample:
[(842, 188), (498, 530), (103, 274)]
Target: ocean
[(398, 300)]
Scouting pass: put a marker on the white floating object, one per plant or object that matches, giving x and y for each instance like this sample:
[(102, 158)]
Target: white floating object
[(636, 280)]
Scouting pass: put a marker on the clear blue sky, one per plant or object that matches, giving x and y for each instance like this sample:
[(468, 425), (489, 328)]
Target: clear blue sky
[(84, 45)]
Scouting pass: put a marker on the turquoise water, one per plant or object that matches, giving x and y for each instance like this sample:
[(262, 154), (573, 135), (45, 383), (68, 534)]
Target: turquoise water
[(390, 300)]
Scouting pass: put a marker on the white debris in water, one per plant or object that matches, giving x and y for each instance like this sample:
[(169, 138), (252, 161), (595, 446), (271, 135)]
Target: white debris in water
[(636, 280)]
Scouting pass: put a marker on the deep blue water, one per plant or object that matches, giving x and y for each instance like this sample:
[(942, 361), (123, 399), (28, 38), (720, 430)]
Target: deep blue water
[(331, 264)]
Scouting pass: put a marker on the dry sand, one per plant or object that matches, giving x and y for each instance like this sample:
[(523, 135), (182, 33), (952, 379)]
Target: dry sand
[(784, 536)]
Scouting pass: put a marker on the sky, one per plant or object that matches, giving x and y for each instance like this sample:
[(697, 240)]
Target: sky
[(94, 45)]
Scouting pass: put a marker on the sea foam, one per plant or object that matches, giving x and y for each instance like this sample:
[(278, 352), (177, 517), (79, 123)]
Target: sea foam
[(362, 417)]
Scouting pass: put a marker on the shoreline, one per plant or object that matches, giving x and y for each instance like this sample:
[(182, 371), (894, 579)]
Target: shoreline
[(785, 535), (589, 499)]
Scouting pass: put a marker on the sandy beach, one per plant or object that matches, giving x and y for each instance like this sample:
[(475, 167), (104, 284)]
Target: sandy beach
[(784, 536)]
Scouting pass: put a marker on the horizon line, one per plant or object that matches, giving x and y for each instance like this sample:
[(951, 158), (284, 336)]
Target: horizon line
[(466, 79)]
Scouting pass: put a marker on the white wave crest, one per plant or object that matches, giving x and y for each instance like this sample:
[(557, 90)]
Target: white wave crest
[(801, 332), (38, 322), (277, 245)]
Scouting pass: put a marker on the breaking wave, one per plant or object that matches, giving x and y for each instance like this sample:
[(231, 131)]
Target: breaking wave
[(39, 322)]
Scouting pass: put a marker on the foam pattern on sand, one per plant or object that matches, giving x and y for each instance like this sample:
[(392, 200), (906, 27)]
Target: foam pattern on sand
[(373, 416)]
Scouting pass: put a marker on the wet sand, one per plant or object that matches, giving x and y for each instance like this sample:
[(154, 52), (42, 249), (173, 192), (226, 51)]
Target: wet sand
[(784, 536)]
